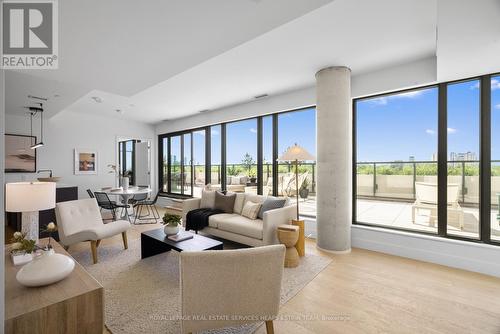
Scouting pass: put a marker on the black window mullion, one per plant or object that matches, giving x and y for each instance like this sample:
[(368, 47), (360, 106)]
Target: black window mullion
[(442, 159), (191, 163), (485, 161), (354, 162), (275, 155), (169, 165), (182, 164), (260, 157), (208, 155), (223, 157)]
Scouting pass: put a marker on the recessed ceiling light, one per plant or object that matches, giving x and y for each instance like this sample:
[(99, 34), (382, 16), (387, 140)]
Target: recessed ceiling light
[(204, 110), (260, 96), (97, 99), (119, 111)]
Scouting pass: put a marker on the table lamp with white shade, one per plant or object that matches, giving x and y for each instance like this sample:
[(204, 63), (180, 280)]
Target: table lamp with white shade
[(296, 154), (29, 198)]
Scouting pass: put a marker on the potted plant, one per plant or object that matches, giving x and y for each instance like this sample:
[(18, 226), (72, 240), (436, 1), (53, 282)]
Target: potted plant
[(171, 223), (22, 248), (304, 189), (253, 176)]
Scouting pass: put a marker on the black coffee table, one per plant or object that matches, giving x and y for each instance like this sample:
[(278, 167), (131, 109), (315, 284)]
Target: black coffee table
[(156, 242)]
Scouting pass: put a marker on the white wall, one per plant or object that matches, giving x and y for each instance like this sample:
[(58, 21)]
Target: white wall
[(69, 130), (414, 73)]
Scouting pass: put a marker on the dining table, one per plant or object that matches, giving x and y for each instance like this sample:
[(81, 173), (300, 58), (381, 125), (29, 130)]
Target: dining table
[(125, 195)]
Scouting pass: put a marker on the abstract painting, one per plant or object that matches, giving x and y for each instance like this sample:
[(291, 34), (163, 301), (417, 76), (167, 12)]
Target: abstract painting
[(19, 157)]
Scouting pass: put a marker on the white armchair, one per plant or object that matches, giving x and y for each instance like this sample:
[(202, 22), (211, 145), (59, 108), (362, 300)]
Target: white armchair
[(230, 287), (81, 220)]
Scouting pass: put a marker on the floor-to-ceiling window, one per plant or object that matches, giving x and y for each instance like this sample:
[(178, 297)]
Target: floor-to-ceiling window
[(495, 158), (298, 127), (215, 153), (199, 168), (175, 165), (187, 169), (241, 156), (463, 115), (126, 156), (396, 148), (267, 155), (425, 153)]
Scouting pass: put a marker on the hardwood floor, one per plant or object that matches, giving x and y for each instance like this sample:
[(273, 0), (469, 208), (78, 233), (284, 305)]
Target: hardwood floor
[(369, 292)]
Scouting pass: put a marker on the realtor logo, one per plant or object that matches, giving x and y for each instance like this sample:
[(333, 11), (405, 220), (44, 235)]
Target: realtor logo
[(29, 34)]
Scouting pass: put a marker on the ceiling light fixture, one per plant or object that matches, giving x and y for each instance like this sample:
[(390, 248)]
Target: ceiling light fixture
[(204, 110), (260, 96), (33, 112), (96, 99)]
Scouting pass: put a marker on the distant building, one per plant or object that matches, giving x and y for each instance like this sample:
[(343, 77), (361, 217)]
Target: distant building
[(434, 157), (465, 156), (411, 158)]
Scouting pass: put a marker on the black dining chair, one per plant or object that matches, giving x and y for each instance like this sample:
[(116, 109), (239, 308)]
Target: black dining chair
[(150, 206), (91, 195), (105, 203)]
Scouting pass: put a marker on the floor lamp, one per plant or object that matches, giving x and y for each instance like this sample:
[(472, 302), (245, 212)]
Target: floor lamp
[(296, 154), (29, 198)]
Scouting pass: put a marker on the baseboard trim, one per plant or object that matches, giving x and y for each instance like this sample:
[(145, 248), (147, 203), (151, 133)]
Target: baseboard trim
[(481, 258), (347, 251)]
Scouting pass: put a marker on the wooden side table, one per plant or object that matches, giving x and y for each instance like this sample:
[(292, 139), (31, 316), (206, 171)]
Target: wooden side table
[(288, 235), (301, 243), (73, 305)]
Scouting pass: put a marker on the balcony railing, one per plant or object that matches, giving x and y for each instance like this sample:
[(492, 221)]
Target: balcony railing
[(396, 179)]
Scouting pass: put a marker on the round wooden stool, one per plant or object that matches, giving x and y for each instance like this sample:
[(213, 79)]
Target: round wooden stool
[(288, 235)]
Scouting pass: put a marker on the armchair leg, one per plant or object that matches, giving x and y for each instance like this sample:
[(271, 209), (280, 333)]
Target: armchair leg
[(269, 327), (124, 237), (93, 247), (98, 243)]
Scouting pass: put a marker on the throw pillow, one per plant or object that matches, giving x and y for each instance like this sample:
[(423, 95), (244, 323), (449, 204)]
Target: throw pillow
[(235, 180), (207, 199), (224, 202), (244, 180), (250, 210), (271, 204)]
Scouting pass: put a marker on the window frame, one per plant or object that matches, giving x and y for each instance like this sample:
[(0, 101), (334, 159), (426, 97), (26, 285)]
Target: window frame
[(484, 160)]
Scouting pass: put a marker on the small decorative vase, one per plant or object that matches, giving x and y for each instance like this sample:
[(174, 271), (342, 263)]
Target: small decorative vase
[(125, 182), (171, 230), (45, 269)]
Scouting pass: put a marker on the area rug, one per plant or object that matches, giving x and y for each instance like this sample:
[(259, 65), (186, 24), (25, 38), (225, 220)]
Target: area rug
[(143, 296)]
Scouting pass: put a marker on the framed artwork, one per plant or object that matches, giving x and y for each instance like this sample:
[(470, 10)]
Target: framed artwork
[(19, 157), (85, 162)]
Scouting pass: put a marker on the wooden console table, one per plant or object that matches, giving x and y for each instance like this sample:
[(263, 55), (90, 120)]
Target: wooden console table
[(73, 305)]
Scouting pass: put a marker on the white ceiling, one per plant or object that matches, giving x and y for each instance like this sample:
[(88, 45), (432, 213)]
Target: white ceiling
[(162, 59)]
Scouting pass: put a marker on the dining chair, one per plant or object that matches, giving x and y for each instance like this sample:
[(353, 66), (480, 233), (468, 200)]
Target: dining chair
[(91, 195), (150, 206), (105, 203)]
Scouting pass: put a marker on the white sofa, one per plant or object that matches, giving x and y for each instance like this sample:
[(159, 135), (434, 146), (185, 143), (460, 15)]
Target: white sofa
[(235, 227)]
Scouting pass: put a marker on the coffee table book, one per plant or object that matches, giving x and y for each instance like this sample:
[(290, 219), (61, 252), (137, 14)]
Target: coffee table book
[(181, 236)]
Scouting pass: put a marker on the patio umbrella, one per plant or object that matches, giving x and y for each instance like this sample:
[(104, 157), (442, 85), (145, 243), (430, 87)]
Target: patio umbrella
[(296, 154)]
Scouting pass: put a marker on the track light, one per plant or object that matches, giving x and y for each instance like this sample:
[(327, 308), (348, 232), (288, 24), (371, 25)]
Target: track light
[(40, 144)]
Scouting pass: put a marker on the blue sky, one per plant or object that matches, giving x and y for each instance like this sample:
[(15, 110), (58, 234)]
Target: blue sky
[(294, 127), (402, 125), (389, 128)]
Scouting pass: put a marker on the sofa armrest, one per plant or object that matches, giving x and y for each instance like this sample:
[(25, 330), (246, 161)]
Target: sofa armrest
[(274, 218), (188, 205)]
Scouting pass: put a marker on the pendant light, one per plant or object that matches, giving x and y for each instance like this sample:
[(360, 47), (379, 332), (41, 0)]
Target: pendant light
[(34, 113)]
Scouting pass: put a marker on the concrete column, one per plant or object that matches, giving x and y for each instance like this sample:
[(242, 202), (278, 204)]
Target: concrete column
[(334, 160)]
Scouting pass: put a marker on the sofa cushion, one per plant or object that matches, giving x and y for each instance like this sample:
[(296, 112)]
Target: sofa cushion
[(207, 199), (254, 198), (224, 202), (244, 226), (214, 220), (238, 203), (250, 210), (271, 203)]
